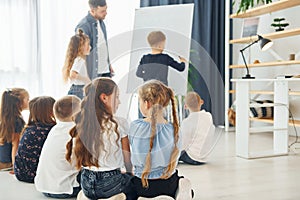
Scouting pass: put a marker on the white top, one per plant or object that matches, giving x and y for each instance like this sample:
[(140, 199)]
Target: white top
[(112, 157), (79, 66), (54, 173), (196, 131), (103, 65)]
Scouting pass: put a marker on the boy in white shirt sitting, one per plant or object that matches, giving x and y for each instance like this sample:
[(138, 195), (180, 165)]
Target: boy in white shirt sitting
[(56, 177), (197, 131)]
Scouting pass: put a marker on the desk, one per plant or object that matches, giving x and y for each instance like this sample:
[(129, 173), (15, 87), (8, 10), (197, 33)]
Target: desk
[(281, 117)]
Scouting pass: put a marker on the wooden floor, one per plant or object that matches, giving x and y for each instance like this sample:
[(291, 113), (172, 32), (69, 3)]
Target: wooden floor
[(224, 177)]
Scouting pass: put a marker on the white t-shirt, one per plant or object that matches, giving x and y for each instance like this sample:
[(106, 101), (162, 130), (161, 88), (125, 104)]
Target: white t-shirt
[(54, 173), (113, 159), (103, 65), (197, 129), (79, 66)]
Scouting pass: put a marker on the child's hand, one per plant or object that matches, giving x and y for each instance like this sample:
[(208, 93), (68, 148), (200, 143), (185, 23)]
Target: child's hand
[(12, 172), (182, 59)]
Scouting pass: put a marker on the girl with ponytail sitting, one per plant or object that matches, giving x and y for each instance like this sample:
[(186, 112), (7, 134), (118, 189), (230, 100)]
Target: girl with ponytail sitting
[(154, 146)]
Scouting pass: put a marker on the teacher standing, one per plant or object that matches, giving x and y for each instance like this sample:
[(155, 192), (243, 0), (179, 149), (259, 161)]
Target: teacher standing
[(98, 63)]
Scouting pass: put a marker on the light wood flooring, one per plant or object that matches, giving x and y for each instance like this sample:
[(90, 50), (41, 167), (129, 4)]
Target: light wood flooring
[(224, 177)]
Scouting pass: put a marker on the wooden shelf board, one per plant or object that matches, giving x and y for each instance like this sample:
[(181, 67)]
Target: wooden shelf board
[(294, 93), (297, 122), (271, 36), (267, 8), (267, 64)]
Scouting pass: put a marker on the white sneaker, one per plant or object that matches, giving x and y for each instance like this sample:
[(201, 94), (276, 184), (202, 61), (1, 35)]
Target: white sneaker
[(81, 196), (184, 191), (120, 196), (160, 197)]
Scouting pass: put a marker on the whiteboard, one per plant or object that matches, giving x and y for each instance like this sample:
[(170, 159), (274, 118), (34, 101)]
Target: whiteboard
[(175, 21)]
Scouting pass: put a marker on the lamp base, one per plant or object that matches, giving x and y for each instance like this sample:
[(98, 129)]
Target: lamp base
[(248, 76)]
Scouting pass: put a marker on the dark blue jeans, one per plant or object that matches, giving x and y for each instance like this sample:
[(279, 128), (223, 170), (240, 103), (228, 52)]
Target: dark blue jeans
[(96, 184), (76, 90), (76, 190)]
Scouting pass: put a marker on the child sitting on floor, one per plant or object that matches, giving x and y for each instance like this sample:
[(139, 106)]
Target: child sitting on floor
[(196, 130), (55, 176), (40, 122)]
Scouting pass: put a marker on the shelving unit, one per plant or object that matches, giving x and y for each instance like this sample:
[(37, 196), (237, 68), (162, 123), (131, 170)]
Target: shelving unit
[(280, 122), (257, 11)]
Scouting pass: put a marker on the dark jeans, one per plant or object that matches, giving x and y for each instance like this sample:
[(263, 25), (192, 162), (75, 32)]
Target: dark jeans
[(104, 75), (96, 184), (157, 186), (186, 159), (76, 190), (76, 90)]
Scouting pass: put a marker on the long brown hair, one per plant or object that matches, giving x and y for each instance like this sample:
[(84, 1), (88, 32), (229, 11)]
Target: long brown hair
[(159, 95), (75, 49), (11, 107), (41, 111), (93, 121)]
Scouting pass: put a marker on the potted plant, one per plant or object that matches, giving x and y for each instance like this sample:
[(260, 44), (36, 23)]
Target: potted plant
[(246, 4), (279, 25)]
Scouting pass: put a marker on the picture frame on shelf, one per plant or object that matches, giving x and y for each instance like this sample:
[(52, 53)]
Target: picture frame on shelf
[(250, 26)]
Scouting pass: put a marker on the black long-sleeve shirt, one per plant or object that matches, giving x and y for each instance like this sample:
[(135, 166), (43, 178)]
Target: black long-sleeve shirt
[(155, 66)]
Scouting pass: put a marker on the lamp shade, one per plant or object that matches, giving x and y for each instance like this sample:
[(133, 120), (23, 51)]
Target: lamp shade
[(265, 43)]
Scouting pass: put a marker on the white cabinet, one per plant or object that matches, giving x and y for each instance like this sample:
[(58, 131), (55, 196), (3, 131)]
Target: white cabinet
[(280, 121)]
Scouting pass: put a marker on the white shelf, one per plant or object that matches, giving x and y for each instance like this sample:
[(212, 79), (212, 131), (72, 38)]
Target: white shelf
[(265, 129), (271, 36), (267, 8)]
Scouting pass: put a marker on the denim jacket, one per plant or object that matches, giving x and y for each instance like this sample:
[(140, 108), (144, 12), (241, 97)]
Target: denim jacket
[(89, 26)]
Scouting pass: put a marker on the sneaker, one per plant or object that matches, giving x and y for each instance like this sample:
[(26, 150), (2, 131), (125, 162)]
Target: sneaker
[(120, 196), (184, 191), (81, 196), (160, 197)]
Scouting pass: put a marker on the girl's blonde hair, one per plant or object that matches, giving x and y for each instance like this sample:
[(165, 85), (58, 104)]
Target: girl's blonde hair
[(159, 95), (93, 121), (75, 49), (11, 107)]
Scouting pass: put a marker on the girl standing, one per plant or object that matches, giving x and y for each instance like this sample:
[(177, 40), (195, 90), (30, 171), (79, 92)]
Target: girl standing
[(74, 68), (13, 102), (99, 139), (41, 120), (154, 144)]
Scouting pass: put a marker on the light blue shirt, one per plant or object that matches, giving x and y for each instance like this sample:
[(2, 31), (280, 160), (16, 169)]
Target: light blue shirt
[(163, 144)]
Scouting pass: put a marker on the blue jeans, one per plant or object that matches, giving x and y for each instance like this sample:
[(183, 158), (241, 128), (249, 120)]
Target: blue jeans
[(76, 90), (104, 184)]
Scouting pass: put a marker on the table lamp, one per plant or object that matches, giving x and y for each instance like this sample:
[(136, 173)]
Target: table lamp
[(264, 45)]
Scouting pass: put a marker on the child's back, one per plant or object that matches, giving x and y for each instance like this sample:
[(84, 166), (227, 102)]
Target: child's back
[(13, 101), (55, 176), (154, 143), (156, 65), (40, 122), (196, 130)]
